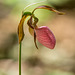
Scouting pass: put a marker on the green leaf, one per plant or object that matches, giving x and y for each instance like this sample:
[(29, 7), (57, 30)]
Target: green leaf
[(26, 14)]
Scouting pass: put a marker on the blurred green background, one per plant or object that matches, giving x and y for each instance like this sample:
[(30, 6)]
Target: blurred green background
[(59, 61)]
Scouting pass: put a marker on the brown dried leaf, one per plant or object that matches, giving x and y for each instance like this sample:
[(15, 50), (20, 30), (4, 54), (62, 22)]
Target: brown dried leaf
[(20, 29), (20, 26)]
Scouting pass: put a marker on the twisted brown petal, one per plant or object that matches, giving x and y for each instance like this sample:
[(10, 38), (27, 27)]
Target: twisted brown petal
[(48, 8)]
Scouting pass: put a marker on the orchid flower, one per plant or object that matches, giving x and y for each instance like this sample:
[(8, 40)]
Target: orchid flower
[(43, 34)]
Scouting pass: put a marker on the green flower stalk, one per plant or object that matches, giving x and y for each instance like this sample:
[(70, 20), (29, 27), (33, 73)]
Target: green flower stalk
[(20, 59)]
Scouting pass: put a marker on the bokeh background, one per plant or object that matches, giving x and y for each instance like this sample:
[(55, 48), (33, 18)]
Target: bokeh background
[(59, 61)]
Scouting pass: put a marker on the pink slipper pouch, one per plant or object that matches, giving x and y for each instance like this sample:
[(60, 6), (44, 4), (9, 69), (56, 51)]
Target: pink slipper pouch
[(45, 37)]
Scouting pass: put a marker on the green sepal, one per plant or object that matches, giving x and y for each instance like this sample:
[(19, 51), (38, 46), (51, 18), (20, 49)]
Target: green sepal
[(26, 13)]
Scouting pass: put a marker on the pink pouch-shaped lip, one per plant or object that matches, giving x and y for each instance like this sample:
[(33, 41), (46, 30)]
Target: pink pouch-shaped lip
[(45, 37)]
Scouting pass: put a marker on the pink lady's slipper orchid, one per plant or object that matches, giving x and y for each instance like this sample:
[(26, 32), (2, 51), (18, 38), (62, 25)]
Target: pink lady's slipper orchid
[(45, 37), (43, 34)]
